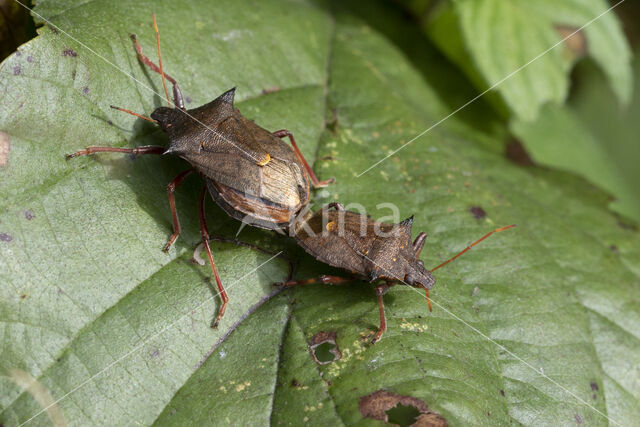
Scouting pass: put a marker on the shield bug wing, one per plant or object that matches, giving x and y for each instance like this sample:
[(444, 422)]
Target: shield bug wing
[(322, 239)]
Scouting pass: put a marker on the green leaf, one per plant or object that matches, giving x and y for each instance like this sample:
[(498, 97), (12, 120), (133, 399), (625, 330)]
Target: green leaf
[(118, 332), (509, 42), (592, 137)]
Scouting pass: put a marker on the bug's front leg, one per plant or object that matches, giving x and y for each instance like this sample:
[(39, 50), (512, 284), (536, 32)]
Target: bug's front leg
[(380, 291), (314, 180), (177, 93), (205, 240), (171, 189)]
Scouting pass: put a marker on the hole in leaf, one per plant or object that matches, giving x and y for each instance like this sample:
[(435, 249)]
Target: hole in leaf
[(399, 410), (402, 415), (323, 352), (324, 348)]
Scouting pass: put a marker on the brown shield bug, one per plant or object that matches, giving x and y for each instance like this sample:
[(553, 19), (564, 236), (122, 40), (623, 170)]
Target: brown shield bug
[(250, 172), (370, 250)]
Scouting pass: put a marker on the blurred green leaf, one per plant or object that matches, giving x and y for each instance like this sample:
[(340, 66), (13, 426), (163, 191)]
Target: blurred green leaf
[(119, 331), (491, 39), (593, 137)]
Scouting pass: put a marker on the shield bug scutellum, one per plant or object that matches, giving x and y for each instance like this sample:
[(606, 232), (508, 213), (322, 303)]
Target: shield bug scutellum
[(369, 250), (250, 172)]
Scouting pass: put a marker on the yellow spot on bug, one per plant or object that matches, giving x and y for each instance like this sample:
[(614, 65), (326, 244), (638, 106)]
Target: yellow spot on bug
[(331, 225), (266, 160), (395, 259)]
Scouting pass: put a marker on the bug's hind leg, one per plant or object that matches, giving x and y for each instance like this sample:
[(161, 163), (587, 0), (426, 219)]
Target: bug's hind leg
[(314, 180), (205, 240), (171, 188)]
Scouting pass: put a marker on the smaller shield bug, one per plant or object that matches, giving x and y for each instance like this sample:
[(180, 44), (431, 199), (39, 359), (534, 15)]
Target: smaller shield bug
[(250, 172), (370, 250)]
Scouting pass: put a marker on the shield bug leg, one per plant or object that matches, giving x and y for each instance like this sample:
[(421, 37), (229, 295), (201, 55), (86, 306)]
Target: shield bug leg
[(380, 291), (146, 149), (205, 239), (177, 94), (314, 180), (171, 188)]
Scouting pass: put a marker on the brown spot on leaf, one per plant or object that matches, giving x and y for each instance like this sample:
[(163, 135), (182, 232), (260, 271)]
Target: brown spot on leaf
[(578, 419), (594, 386), (295, 383), (377, 405), (4, 237), (272, 89), (4, 148), (16, 70), (23, 296), (53, 30), (576, 43), (614, 249), (29, 58), (516, 152), (29, 215), (188, 99), (324, 348), (85, 90), (502, 393), (477, 212), (69, 52)]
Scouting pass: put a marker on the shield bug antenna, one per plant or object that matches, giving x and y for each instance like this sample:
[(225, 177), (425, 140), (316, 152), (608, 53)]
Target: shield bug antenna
[(387, 259), (250, 172)]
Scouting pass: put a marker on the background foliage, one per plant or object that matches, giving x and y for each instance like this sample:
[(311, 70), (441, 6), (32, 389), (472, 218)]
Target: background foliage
[(96, 318)]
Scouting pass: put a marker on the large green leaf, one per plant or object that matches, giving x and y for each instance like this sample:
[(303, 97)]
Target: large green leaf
[(119, 332)]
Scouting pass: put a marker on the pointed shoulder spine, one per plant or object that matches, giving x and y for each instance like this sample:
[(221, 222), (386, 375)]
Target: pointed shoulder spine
[(228, 96), (407, 222)]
